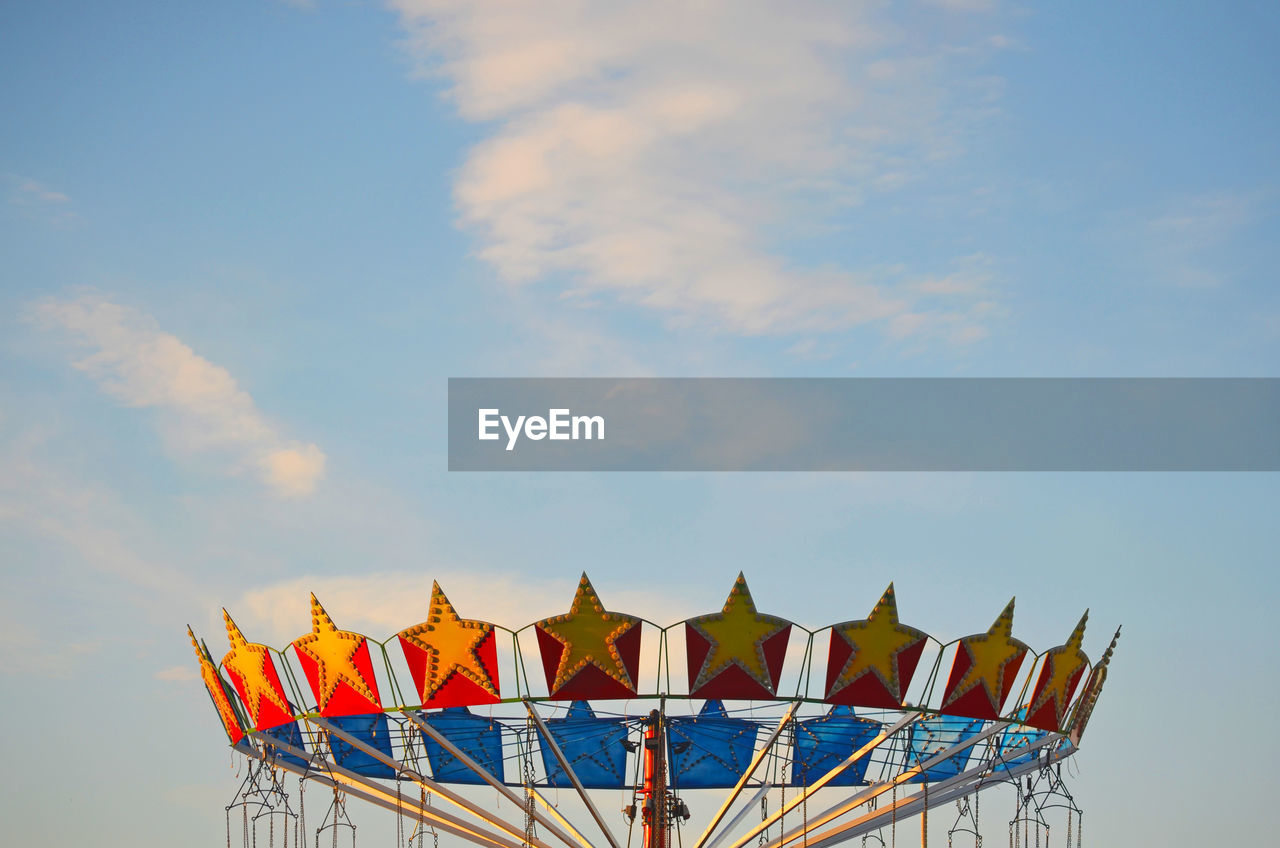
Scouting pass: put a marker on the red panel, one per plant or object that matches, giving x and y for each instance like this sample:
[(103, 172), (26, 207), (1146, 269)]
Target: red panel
[(867, 690), (959, 666), (733, 682), (551, 649), (416, 658), (1010, 676), (976, 703), (972, 704), (269, 715), (458, 690), (590, 682), (838, 654), (696, 648), (344, 700), (908, 659), (1046, 718), (775, 652)]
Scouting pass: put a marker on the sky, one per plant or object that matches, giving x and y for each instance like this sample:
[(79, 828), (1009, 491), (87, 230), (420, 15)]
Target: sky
[(243, 245)]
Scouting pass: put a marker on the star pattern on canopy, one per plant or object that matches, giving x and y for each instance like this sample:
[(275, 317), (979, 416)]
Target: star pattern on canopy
[(878, 642), (992, 657), (1089, 697), (737, 635), (249, 663), (334, 654), (588, 635), (1063, 667), (452, 644), (213, 683)]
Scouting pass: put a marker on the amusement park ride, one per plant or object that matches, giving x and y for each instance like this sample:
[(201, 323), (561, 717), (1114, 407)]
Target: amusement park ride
[(864, 737)]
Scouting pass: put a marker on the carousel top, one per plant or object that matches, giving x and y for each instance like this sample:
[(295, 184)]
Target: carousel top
[(592, 653)]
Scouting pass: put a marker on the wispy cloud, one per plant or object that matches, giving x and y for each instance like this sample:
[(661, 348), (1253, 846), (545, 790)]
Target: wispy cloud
[(27, 653), (37, 200), (1183, 237), (204, 410), (642, 151)]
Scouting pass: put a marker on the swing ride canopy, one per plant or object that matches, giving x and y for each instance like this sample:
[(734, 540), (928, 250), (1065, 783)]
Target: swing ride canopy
[(868, 702)]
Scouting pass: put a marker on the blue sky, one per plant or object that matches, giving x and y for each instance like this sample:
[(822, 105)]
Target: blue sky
[(243, 245)]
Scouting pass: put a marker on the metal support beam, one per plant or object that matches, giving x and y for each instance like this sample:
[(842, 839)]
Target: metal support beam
[(746, 775), (881, 788), (437, 788), (740, 815), (945, 792), (491, 779), (367, 789), (568, 770), (408, 809), (827, 778)]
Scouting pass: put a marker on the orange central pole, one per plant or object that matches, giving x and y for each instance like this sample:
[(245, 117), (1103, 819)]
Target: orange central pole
[(654, 813)]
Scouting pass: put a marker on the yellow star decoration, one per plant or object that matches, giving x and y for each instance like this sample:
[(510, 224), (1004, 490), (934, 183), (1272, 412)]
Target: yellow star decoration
[(876, 643), (249, 662), (334, 652), (1092, 689), (451, 644), (990, 654), (737, 635), (213, 682), (1063, 662), (589, 634)]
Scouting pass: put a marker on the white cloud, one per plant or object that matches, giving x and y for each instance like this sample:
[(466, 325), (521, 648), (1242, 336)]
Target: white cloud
[(385, 603), (643, 150), (37, 201), (29, 192), (176, 674), (204, 409)]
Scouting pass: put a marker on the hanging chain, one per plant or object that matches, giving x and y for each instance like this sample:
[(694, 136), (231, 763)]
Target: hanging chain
[(804, 804), (435, 834), (893, 818), (399, 815), (422, 814), (782, 802), (335, 817), (924, 817)]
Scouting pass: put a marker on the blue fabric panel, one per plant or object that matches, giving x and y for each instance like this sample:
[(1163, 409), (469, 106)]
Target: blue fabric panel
[(1012, 740), (825, 742), (933, 736), (290, 734), (716, 749), (369, 728), (593, 746), (478, 737)]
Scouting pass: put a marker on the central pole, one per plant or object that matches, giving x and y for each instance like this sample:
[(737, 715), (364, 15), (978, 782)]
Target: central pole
[(655, 812)]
